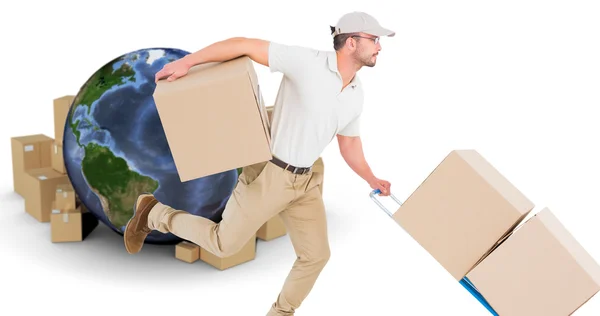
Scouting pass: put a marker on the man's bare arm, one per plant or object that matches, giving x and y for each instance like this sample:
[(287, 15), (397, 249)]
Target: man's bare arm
[(352, 152), (256, 49)]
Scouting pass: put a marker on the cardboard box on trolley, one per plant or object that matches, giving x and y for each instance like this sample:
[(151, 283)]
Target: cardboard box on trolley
[(471, 219), (539, 269), (214, 118), (461, 210)]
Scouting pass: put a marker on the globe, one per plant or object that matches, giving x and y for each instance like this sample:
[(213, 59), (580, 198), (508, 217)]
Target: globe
[(115, 148)]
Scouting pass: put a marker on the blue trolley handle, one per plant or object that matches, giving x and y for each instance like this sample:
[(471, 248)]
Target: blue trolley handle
[(374, 198)]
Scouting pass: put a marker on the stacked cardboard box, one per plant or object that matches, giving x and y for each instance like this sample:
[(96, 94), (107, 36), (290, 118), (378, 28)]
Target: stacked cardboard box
[(470, 219), (273, 228), (62, 106), (189, 252), (38, 167), (28, 153), (70, 221), (39, 176), (246, 254), (41, 184)]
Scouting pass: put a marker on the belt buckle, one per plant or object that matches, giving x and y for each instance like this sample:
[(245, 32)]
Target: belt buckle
[(298, 170)]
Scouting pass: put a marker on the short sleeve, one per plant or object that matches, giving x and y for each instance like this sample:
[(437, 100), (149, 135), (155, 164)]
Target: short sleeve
[(352, 129), (290, 60)]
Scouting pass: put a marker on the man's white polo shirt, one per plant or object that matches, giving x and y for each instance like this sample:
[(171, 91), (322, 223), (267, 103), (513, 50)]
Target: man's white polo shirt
[(310, 108)]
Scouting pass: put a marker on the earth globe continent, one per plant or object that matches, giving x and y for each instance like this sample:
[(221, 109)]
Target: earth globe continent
[(115, 148)]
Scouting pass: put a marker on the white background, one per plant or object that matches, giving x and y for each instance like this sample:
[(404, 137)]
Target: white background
[(516, 80)]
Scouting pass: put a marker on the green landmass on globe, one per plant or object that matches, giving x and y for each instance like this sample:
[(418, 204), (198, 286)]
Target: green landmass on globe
[(109, 176), (117, 186)]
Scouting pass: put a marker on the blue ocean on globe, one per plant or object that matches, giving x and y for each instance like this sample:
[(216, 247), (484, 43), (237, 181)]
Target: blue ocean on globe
[(115, 147)]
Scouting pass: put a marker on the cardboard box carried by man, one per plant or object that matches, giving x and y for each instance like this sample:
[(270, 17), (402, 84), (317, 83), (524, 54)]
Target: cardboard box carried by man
[(214, 118)]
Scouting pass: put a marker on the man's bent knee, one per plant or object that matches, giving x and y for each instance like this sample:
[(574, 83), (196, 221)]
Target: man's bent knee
[(324, 256)]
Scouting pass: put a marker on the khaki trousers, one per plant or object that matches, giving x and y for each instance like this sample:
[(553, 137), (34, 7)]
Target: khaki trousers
[(263, 191)]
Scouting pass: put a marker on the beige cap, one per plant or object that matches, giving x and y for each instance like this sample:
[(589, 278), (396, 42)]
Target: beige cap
[(355, 22)]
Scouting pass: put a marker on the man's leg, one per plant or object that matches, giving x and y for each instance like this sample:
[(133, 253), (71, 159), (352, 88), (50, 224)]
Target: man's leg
[(258, 196), (306, 223)]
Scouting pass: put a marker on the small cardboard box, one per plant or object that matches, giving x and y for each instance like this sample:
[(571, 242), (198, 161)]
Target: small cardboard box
[(62, 106), (272, 229), (29, 152), (461, 210), (57, 160), (187, 252), (247, 253), (540, 269), (41, 191), (70, 225), (214, 118), (65, 197)]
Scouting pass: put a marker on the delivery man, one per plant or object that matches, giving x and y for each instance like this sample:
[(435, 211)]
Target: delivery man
[(320, 97)]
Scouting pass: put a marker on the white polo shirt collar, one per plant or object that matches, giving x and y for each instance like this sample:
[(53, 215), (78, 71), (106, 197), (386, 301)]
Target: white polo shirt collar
[(332, 62)]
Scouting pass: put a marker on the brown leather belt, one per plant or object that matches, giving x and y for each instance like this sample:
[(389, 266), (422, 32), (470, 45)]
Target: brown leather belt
[(288, 167)]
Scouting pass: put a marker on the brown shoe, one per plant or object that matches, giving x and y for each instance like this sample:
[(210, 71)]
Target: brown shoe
[(137, 228)]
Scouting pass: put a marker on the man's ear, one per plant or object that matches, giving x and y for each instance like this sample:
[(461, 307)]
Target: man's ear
[(352, 43)]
